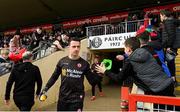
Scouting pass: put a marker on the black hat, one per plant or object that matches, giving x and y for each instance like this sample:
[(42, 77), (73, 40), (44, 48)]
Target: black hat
[(17, 32)]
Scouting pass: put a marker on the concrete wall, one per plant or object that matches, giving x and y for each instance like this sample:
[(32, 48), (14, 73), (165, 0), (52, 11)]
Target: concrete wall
[(47, 66)]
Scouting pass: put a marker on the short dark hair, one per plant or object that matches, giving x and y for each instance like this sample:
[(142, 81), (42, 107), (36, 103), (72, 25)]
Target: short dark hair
[(165, 12), (74, 39), (18, 32), (143, 37), (132, 42)]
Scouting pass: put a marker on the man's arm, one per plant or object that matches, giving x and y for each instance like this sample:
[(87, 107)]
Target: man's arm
[(9, 84), (39, 82), (92, 79), (123, 74)]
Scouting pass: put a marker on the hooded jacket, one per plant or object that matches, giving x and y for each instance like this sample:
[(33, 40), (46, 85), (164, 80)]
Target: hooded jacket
[(148, 71), (24, 75), (148, 75)]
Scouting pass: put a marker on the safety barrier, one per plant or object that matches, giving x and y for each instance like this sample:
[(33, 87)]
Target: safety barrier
[(123, 27), (43, 50), (135, 102)]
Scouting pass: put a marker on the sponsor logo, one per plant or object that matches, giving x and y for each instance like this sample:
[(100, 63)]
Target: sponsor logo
[(79, 65), (74, 75), (74, 71), (64, 72), (65, 63)]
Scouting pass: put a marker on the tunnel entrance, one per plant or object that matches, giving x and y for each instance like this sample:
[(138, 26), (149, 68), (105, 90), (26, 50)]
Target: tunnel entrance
[(111, 54)]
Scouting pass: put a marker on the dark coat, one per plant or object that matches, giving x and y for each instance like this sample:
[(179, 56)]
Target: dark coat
[(148, 75), (24, 75), (168, 33)]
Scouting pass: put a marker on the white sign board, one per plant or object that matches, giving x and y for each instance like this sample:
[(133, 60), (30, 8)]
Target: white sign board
[(109, 41)]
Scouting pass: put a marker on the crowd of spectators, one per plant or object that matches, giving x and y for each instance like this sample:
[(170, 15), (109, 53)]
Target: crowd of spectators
[(40, 42), (129, 24), (57, 39)]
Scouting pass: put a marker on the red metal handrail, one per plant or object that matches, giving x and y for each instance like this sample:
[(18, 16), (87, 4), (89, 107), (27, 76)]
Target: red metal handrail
[(134, 98)]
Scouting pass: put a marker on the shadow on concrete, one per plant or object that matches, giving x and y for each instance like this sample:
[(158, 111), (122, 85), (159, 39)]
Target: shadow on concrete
[(109, 102)]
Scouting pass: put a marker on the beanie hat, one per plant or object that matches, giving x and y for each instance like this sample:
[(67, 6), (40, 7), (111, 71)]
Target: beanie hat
[(141, 30), (153, 34)]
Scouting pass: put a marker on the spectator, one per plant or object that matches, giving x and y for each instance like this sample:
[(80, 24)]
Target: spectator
[(64, 40), (142, 67), (6, 45), (96, 62), (5, 66), (168, 37), (26, 41), (144, 38), (57, 43), (15, 42), (4, 55), (37, 36), (15, 48), (155, 43)]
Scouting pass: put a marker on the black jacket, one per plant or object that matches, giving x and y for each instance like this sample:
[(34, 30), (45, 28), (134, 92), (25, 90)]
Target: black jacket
[(148, 75), (72, 79), (168, 33), (24, 75), (149, 47)]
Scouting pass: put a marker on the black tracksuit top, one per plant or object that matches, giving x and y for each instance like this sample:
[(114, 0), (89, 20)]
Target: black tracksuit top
[(72, 79)]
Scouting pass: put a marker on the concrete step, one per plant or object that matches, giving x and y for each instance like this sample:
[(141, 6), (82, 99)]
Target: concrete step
[(177, 72), (177, 57), (177, 60), (177, 88), (177, 69), (177, 79)]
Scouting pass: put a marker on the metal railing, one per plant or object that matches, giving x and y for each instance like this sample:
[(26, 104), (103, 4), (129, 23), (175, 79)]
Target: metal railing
[(5, 66), (44, 49), (148, 103), (105, 29)]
